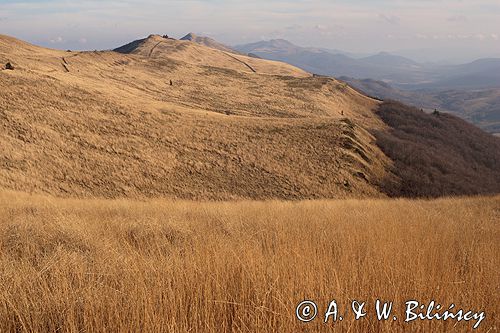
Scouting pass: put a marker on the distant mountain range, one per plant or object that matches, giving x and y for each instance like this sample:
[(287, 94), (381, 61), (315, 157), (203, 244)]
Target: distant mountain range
[(399, 71), (470, 90)]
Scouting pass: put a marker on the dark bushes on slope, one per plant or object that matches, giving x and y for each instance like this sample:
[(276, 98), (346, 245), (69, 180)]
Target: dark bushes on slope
[(437, 154)]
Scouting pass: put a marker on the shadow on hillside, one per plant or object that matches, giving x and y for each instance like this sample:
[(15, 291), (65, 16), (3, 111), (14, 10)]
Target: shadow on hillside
[(437, 154)]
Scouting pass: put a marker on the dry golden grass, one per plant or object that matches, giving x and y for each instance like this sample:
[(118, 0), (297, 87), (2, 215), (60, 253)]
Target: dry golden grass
[(114, 127), (124, 266)]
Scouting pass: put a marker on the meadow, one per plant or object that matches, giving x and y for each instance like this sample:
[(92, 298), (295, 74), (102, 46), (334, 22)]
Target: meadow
[(69, 265)]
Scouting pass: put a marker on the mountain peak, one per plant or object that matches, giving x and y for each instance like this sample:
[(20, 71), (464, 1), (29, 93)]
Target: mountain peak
[(280, 40), (190, 36), (153, 37), (389, 59)]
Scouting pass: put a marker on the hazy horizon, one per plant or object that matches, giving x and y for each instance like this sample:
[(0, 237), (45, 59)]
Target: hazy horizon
[(444, 30)]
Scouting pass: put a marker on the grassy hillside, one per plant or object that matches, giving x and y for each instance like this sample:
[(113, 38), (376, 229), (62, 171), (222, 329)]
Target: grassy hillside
[(107, 124), (176, 119), (69, 265)]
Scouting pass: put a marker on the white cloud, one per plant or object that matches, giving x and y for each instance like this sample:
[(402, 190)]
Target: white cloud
[(57, 40)]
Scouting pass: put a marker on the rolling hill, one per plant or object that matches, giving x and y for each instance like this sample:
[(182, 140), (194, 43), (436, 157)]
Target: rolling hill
[(110, 124), (160, 117)]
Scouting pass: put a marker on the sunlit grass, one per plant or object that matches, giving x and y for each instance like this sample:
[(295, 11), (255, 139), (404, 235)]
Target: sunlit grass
[(118, 266)]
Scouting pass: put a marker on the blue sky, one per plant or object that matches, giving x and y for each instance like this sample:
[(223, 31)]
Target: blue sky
[(454, 29)]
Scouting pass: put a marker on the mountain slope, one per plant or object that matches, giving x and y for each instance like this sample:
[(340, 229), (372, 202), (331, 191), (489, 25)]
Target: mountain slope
[(107, 124), (176, 119)]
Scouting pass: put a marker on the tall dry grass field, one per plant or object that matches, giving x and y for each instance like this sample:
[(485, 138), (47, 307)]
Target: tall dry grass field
[(122, 266)]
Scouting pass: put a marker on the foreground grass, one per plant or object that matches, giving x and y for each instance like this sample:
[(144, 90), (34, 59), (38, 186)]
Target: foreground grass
[(119, 266)]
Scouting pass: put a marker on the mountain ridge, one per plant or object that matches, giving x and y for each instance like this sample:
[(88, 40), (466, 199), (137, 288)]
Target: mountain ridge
[(181, 121), (156, 46), (175, 119)]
